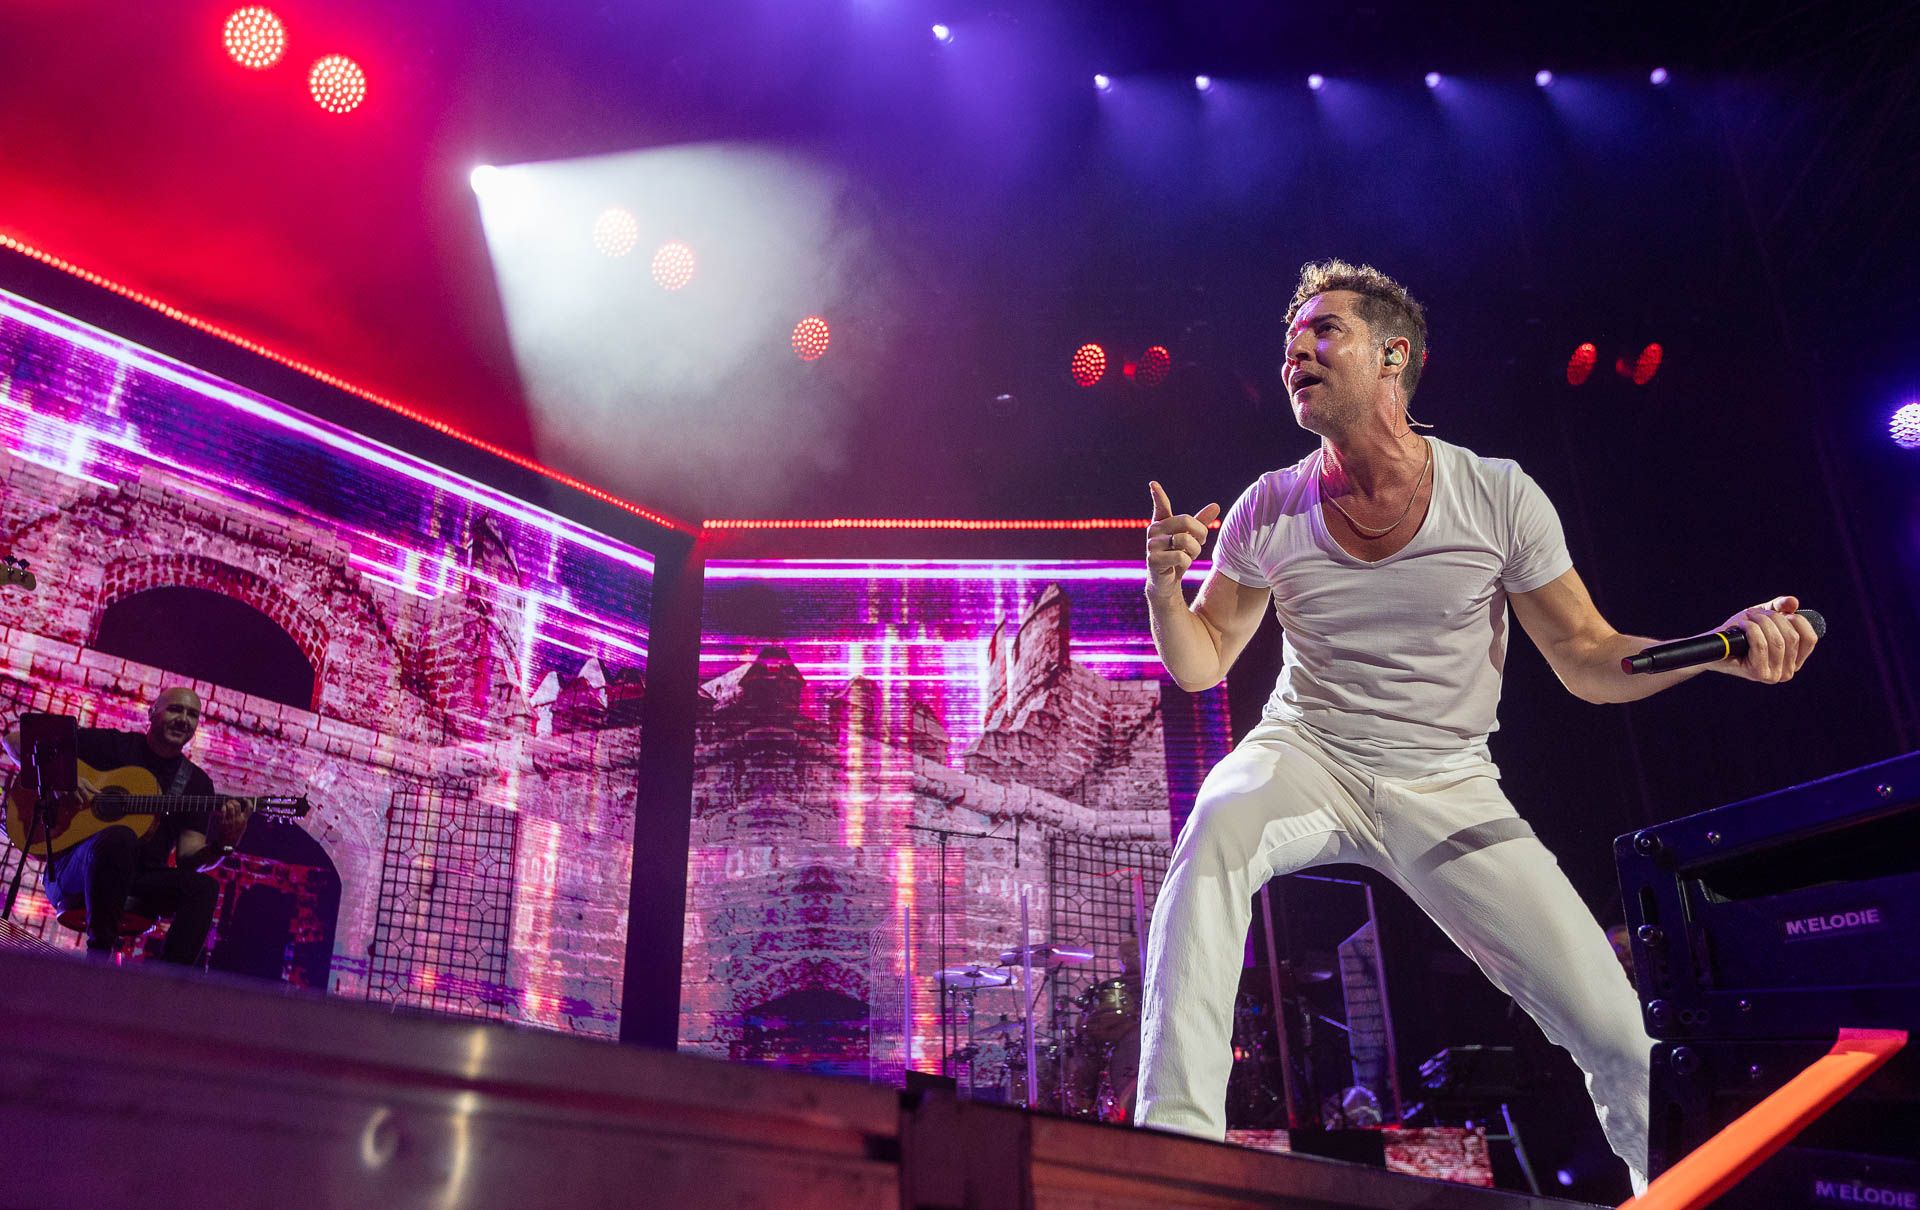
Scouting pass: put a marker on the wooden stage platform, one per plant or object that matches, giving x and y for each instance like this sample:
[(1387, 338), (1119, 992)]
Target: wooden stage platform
[(156, 1089)]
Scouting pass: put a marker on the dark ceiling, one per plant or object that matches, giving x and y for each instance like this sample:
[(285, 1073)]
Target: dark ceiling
[(1011, 211)]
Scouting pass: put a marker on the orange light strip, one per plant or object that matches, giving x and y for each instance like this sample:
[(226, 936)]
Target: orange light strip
[(1719, 1163), (338, 383)]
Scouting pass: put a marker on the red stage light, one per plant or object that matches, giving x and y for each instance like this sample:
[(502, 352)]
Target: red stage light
[(673, 266), (337, 84), (254, 37), (1647, 364), (615, 232), (1155, 364), (810, 337), (1131, 524), (1089, 364), (1580, 365)]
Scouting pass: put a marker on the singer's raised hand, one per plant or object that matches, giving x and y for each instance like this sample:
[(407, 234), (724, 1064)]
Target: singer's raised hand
[(1174, 541), (1779, 641)]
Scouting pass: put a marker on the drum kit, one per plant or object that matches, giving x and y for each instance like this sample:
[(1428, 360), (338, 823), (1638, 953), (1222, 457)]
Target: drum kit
[(1086, 1057)]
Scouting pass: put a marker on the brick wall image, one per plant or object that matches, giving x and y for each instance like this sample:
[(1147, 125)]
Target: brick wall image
[(811, 861), (463, 644)]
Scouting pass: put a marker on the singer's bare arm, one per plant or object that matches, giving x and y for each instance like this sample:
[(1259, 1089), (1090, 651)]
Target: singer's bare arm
[(1199, 643), (1585, 652)]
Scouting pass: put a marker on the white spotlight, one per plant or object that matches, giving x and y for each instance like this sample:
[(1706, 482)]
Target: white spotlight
[(1316, 81), (1103, 82), (483, 177), (942, 33), (1203, 83), (1659, 76), (1433, 79), (1543, 77)]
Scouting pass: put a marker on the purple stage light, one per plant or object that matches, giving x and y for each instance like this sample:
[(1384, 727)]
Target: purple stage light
[(1203, 83), (1904, 428), (1433, 79), (1316, 81), (1543, 77), (1103, 82), (1659, 76), (942, 34)]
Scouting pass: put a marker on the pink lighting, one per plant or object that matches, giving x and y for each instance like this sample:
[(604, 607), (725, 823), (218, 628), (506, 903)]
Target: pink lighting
[(1647, 364), (810, 338), (1580, 365), (1155, 364), (218, 488), (615, 232), (1089, 364), (673, 266), (337, 84), (254, 37)]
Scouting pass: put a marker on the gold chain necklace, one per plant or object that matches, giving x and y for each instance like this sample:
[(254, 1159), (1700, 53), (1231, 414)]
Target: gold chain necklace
[(1374, 531)]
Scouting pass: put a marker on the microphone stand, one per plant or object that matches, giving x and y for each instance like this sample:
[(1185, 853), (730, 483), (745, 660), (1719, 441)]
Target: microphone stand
[(13, 885), (44, 815)]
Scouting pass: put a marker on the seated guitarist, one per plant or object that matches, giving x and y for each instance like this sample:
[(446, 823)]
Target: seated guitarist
[(107, 868)]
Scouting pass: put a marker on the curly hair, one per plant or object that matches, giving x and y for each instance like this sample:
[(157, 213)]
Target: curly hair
[(1385, 306)]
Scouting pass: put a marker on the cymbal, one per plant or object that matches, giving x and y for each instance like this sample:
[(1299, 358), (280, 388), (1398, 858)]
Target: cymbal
[(1046, 953), (971, 976)]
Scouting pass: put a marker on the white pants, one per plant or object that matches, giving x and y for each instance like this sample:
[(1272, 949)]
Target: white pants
[(1280, 802)]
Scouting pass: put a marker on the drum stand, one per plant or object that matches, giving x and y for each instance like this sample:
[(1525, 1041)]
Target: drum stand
[(943, 837)]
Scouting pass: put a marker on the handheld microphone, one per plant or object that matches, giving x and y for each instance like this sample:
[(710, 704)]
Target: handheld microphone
[(1728, 644)]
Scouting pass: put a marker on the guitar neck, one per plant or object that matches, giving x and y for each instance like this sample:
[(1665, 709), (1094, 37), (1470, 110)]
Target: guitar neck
[(170, 804)]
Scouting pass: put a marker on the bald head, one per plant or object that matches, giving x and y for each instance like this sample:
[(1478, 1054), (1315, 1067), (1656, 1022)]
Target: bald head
[(172, 720)]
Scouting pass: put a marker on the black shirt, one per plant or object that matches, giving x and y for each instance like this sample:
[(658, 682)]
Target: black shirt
[(107, 750)]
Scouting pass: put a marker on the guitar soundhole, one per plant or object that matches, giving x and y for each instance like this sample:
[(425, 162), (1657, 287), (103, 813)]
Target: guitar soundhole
[(105, 805)]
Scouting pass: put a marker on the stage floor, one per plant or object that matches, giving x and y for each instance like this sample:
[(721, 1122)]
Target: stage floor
[(154, 1088)]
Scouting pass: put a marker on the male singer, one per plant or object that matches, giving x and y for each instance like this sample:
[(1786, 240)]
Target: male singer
[(1390, 559)]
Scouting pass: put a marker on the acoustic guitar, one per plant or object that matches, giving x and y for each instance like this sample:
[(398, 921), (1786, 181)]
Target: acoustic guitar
[(129, 797)]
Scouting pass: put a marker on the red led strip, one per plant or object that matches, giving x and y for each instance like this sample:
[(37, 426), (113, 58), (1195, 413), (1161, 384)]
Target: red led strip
[(338, 383), (1078, 523), (526, 463)]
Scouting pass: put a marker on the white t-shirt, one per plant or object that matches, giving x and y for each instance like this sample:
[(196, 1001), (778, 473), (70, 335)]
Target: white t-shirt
[(1396, 665)]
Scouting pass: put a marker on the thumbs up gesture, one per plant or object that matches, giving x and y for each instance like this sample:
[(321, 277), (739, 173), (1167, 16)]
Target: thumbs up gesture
[(1173, 541)]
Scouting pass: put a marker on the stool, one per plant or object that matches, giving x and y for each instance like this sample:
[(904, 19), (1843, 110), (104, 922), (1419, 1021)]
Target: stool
[(136, 921)]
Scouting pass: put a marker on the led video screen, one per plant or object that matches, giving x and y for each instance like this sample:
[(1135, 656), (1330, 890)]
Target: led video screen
[(897, 764), (451, 675)]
